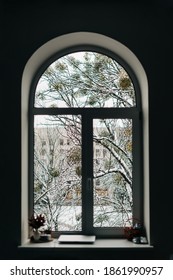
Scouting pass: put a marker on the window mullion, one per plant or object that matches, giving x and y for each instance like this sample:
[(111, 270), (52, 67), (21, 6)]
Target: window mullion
[(87, 175)]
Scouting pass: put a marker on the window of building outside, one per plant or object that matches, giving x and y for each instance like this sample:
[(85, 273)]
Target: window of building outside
[(88, 101)]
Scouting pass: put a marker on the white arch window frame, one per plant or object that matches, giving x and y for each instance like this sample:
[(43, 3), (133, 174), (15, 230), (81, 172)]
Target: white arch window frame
[(41, 55)]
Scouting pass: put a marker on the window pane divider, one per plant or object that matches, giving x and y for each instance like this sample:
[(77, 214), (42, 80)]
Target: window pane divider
[(87, 189)]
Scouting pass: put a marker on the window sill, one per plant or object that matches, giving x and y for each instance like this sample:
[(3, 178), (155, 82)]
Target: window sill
[(99, 243)]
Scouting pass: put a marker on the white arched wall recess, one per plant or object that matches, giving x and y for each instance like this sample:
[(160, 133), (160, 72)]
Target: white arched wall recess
[(34, 63)]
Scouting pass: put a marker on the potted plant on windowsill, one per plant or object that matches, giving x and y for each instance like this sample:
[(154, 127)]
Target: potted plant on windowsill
[(36, 221)]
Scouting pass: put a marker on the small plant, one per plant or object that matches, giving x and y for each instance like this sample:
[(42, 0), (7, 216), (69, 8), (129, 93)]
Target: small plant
[(36, 221)]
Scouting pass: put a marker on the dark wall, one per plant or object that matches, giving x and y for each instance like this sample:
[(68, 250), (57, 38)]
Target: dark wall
[(144, 28)]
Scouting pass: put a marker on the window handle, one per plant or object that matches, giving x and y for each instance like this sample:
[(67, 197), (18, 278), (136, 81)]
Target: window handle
[(89, 184)]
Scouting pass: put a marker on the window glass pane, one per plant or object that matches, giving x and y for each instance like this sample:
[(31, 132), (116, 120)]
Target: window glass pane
[(112, 163), (57, 170), (85, 79)]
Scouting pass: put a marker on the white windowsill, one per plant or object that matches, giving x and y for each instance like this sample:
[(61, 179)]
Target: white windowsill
[(99, 243)]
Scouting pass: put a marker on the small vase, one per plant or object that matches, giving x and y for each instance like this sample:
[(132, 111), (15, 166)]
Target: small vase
[(36, 234)]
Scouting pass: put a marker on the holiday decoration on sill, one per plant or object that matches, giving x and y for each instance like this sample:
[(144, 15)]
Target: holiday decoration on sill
[(36, 222), (135, 232)]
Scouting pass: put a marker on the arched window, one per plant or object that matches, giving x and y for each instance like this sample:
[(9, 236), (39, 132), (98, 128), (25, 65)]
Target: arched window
[(85, 139)]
